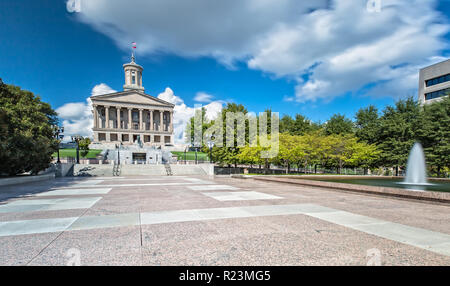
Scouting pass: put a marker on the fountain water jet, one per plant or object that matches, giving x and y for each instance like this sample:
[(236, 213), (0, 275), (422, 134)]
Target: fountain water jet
[(416, 170)]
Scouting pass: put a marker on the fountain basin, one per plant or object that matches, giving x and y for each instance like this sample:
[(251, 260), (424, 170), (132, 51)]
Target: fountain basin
[(368, 185), (436, 186)]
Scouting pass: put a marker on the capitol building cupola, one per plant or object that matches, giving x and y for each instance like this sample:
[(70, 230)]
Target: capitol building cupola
[(133, 76)]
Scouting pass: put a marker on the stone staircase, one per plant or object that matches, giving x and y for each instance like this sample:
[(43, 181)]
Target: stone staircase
[(141, 170)]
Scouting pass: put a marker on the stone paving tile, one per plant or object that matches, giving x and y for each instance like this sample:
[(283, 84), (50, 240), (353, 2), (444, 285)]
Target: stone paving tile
[(223, 243), (19, 250), (74, 192), (114, 246), (240, 196), (41, 215), (50, 204), (276, 243), (432, 216)]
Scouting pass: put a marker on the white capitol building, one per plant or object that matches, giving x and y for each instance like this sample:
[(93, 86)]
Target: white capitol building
[(126, 116)]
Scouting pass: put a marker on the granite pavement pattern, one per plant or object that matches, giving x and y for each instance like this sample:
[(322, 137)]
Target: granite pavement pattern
[(206, 220)]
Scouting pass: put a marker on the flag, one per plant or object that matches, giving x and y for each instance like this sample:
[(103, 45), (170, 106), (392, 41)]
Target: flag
[(134, 45)]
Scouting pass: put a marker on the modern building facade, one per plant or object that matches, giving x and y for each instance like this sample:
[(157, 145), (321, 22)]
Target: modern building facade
[(132, 115), (434, 82)]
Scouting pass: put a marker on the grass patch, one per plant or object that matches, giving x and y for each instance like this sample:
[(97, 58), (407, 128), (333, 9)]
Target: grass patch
[(190, 155), (72, 153)]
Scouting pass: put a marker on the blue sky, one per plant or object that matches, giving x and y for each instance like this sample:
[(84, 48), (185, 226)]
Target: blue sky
[(313, 63)]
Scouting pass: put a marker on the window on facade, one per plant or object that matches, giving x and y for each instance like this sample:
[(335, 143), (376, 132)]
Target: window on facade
[(437, 80), (133, 77), (437, 94)]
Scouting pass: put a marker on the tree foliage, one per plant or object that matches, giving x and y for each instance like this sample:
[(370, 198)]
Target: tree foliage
[(366, 124), (435, 134), (398, 131), (374, 140), (339, 124), (26, 134), (83, 144)]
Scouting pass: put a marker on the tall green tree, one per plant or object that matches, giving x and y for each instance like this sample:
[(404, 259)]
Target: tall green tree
[(228, 155), (338, 124), (27, 139), (189, 134), (286, 124), (298, 126), (435, 134), (368, 124), (399, 127)]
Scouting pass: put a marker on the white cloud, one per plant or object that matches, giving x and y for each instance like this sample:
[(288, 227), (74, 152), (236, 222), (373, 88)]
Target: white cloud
[(203, 97), (77, 117), (183, 113), (339, 44), (100, 89), (346, 48)]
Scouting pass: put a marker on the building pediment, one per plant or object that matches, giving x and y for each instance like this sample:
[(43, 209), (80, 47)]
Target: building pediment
[(130, 97)]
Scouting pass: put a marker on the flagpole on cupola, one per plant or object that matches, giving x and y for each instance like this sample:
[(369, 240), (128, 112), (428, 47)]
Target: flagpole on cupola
[(133, 44)]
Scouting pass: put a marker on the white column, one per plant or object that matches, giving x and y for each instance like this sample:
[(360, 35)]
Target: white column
[(129, 118), (161, 124), (118, 117), (107, 116), (95, 116), (151, 120), (171, 121), (140, 119)]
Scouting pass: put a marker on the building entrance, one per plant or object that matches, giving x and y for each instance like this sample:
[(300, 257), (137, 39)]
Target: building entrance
[(139, 158)]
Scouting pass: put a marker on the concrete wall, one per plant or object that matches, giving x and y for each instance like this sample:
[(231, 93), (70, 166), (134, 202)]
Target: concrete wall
[(25, 179)]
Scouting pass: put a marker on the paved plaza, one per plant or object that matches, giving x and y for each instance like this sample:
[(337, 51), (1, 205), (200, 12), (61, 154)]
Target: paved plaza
[(193, 220)]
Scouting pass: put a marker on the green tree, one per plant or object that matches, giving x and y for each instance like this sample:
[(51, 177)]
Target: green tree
[(84, 146), (27, 140), (399, 127), (338, 124), (189, 134), (435, 134), (367, 124), (298, 126), (228, 155), (286, 124)]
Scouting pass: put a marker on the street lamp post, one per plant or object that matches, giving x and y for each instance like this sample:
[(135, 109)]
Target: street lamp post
[(77, 139), (118, 154), (210, 146), (59, 130), (196, 155)]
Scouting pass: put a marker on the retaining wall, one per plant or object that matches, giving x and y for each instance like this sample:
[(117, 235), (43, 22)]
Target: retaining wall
[(25, 179)]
